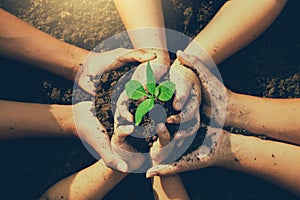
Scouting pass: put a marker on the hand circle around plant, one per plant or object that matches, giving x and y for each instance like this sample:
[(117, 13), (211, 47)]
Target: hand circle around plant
[(135, 90), (147, 96)]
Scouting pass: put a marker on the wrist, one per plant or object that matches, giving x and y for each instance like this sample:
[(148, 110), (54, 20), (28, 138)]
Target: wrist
[(79, 57), (63, 114), (237, 113)]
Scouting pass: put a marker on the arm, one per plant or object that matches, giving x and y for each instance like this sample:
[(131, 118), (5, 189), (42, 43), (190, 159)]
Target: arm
[(169, 187), (165, 187), (275, 118), (31, 119), (20, 41), (236, 24), (93, 182), (273, 161), (144, 22)]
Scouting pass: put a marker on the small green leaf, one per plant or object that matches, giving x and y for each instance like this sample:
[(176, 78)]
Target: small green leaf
[(156, 92), (166, 90), (142, 109), (151, 82), (135, 90)]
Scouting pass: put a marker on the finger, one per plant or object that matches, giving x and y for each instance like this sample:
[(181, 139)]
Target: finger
[(166, 170), (137, 55), (121, 133), (180, 94), (189, 110), (163, 135), (129, 55), (206, 76), (86, 83), (188, 129), (123, 108)]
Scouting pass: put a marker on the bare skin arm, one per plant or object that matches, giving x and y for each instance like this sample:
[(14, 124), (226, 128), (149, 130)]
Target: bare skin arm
[(275, 118), (165, 187), (20, 41), (30, 119), (276, 162), (93, 182)]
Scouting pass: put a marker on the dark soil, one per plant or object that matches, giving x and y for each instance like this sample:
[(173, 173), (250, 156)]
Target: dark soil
[(269, 67)]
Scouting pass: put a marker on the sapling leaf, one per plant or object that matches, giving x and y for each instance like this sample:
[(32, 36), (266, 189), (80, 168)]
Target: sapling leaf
[(151, 82), (165, 90), (142, 109), (135, 90), (156, 92)]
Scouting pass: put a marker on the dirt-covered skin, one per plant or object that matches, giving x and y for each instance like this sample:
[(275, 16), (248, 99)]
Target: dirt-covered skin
[(269, 67)]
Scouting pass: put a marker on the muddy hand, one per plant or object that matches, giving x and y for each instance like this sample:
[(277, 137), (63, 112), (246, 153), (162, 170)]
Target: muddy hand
[(94, 133), (187, 99), (163, 146), (98, 63), (213, 152), (125, 151), (214, 94)]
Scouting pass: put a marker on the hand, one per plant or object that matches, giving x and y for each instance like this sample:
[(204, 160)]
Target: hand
[(94, 133), (162, 147), (187, 99), (98, 63), (215, 95), (125, 151), (214, 151)]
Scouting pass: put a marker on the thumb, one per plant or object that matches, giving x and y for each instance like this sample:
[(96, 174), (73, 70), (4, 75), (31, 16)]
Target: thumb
[(129, 55), (162, 170), (115, 163)]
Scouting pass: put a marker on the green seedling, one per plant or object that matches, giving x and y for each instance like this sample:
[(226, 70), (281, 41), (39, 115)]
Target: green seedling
[(135, 90)]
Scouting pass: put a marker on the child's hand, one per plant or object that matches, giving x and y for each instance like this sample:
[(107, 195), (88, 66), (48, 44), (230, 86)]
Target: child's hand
[(98, 63)]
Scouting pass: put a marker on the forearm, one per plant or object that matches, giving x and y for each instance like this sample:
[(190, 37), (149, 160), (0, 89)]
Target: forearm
[(31, 119), (273, 161), (169, 187), (20, 41), (144, 22), (275, 118), (236, 24), (93, 182)]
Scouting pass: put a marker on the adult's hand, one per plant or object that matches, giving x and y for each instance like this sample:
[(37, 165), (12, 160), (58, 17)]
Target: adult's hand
[(214, 151), (134, 159), (98, 63), (214, 94), (94, 133)]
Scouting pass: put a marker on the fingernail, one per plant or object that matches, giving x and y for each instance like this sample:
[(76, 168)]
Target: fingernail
[(150, 174), (122, 166), (160, 127), (178, 106), (127, 129), (170, 120), (179, 52)]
